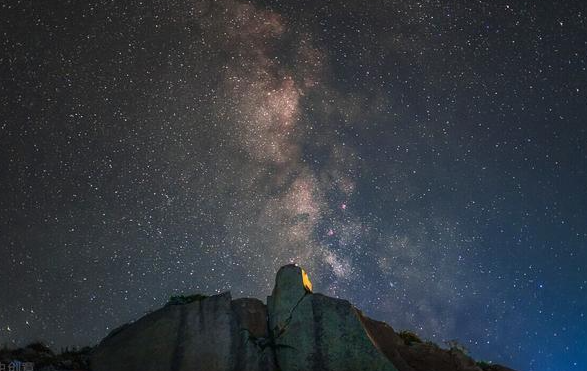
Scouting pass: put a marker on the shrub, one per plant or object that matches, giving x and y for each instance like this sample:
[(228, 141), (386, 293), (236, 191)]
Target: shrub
[(455, 345), (483, 364), (182, 299), (39, 347), (409, 337)]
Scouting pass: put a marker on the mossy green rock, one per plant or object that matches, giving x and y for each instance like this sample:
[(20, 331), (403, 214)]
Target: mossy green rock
[(313, 332)]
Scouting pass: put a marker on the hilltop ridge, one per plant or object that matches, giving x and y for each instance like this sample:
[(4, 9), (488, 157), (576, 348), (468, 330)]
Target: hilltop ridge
[(297, 330)]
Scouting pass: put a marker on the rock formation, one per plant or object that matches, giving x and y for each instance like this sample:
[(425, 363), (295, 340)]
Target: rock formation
[(297, 331), (315, 332), (214, 333)]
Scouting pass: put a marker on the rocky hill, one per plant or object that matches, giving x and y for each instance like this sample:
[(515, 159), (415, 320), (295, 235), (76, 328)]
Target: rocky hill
[(297, 330)]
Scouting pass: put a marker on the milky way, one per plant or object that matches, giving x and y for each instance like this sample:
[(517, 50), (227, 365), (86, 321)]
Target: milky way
[(425, 160), (262, 107)]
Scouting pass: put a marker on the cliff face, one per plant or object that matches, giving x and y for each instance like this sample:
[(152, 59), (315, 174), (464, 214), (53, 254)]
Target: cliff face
[(214, 333), (297, 331)]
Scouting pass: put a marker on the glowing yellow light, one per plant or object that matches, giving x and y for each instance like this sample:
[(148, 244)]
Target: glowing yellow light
[(306, 281)]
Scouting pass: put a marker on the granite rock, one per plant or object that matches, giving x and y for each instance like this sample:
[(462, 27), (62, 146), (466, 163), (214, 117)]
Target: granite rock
[(313, 332), (212, 334), (297, 330)]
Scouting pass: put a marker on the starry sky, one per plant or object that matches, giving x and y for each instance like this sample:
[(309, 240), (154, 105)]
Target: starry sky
[(424, 159)]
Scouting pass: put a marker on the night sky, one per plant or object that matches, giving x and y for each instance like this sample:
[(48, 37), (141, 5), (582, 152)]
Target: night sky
[(426, 160)]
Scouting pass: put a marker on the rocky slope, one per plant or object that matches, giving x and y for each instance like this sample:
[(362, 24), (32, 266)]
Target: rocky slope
[(297, 330)]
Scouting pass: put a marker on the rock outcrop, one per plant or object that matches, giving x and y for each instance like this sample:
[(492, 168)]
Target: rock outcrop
[(213, 333), (297, 330), (418, 356), (315, 332)]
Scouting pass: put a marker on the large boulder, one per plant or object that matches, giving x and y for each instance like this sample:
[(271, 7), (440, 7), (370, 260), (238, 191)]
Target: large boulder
[(211, 334), (313, 332), (254, 341)]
